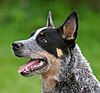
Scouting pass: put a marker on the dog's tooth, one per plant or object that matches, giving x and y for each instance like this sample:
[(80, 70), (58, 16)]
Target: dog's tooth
[(41, 63), (35, 66), (27, 69)]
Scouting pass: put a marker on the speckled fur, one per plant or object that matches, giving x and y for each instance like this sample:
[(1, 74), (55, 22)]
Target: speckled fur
[(76, 75)]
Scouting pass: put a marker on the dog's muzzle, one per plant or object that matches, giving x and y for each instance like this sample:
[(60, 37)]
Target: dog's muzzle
[(37, 63)]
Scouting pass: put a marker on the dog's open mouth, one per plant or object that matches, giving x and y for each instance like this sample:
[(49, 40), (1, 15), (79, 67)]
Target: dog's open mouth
[(34, 65)]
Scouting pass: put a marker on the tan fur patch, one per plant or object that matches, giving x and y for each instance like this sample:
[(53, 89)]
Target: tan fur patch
[(50, 76), (59, 52), (41, 33)]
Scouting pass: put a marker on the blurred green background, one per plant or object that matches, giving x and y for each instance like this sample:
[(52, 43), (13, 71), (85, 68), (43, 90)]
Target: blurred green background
[(18, 18)]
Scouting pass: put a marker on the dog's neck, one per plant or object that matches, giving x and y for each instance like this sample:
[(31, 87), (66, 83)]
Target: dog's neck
[(73, 60), (54, 79), (74, 68), (49, 83), (50, 77), (60, 72)]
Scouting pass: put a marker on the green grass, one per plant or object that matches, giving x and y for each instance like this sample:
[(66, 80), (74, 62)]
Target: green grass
[(18, 19)]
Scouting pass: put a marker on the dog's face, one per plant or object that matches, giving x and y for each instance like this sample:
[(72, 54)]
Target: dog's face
[(47, 45)]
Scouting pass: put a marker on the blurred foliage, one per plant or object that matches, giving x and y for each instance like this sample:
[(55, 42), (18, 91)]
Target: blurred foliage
[(18, 18)]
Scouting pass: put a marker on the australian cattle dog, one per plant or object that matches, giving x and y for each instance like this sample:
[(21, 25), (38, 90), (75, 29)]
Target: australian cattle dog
[(54, 55)]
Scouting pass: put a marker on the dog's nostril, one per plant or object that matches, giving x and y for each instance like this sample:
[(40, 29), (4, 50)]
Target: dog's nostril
[(17, 46)]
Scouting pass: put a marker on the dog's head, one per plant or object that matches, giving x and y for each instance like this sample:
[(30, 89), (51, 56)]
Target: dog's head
[(47, 45)]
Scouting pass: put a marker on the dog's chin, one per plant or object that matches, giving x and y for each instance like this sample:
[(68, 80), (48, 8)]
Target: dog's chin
[(34, 66)]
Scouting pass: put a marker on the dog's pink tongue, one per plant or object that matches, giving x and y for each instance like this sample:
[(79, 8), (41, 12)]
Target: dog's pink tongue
[(28, 65)]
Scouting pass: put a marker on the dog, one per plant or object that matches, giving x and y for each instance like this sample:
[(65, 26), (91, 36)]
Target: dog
[(54, 55)]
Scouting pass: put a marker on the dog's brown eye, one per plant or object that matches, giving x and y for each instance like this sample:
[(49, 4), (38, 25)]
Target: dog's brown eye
[(43, 40)]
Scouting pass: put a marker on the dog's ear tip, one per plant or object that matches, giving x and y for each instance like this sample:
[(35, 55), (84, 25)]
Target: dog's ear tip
[(49, 15), (74, 13), (49, 20), (49, 12), (70, 26)]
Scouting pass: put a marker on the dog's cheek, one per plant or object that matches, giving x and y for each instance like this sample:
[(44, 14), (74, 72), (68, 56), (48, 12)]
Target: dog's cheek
[(53, 64)]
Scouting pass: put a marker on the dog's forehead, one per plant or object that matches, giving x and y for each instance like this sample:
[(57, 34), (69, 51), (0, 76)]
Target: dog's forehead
[(38, 31), (35, 34)]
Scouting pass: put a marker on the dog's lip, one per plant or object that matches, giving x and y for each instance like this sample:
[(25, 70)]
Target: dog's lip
[(33, 65)]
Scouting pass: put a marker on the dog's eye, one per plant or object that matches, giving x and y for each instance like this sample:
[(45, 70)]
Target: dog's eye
[(43, 40)]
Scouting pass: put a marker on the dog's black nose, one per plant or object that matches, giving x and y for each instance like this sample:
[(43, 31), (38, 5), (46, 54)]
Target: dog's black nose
[(17, 46)]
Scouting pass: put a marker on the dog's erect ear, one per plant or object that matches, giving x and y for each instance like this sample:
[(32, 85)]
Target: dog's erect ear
[(70, 27), (49, 20)]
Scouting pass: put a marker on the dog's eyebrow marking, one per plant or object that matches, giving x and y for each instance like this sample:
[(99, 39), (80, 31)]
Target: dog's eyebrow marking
[(59, 52), (37, 32)]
